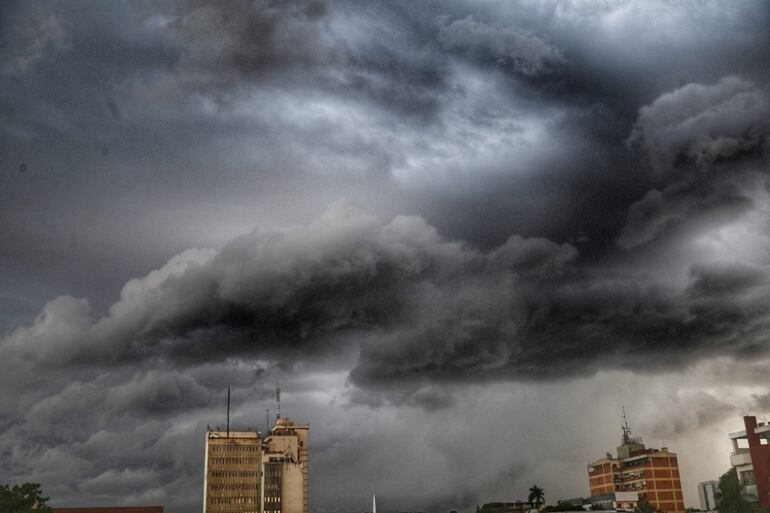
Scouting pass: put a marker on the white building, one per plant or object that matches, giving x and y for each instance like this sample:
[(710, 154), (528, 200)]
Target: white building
[(707, 494)]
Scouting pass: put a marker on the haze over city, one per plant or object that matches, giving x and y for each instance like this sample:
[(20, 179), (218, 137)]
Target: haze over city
[(461, 236)]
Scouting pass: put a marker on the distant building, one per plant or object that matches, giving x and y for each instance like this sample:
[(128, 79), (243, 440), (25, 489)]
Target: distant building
[(615, 501), (112, 509), (249, 473), (650, 474), (707, 491), (751, 459), (507, 507)]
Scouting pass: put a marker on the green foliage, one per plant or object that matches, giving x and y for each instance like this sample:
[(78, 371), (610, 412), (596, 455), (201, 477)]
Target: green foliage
[(24, 498), (646, 507), (596, 507), (730, 498), (536, 495)]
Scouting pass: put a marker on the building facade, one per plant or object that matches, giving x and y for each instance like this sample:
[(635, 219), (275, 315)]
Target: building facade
[(751, 459), (247, 472), (707, 491), (651, 474)]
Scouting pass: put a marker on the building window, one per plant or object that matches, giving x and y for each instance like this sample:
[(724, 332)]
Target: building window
[(747, 477)]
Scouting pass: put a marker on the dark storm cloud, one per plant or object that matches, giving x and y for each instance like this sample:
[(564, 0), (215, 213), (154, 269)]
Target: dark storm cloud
[(708, 145), (227, 42), (586, 190), (522, 51), (425, 307), (702, 124)]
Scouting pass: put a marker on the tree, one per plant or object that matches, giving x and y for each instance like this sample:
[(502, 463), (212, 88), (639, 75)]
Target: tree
[(24, 498), (730, 497), (536, 495), (646, 507)]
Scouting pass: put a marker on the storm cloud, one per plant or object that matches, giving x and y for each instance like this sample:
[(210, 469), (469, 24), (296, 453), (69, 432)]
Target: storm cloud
[(430, 222)]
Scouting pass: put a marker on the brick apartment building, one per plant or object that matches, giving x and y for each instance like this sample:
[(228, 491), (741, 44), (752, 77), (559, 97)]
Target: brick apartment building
[(653, 474)]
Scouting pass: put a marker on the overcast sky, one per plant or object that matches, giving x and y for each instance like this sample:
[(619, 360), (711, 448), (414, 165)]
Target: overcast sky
[(461, 234)]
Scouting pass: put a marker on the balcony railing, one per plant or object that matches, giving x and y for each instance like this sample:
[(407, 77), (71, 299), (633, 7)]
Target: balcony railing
[(740, 458)]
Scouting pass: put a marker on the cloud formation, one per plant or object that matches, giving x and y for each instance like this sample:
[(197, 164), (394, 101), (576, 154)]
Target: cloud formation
[(523, 51), (702, 124), (561, 204), (707, 145)]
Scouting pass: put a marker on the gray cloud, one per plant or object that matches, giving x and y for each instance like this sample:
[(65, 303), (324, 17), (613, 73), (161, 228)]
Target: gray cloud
[(523, 51), (230, 41), (479, 295), (703, 123), (422, 306), (707, 143)]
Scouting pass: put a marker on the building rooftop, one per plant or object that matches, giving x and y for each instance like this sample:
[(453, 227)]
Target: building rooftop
[(762, 429)]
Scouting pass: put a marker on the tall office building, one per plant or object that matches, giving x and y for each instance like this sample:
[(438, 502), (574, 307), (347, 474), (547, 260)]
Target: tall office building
[(653, 474), (247, 472), (233, 473), (751, 459)]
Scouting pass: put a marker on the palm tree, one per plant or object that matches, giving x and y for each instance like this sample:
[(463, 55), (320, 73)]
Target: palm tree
[(536, 496)]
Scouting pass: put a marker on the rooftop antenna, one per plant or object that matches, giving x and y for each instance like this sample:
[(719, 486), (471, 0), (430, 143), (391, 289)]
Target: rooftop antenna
[(277, 402), (625, 428), (267, 420), (228, 411), (374, 504)]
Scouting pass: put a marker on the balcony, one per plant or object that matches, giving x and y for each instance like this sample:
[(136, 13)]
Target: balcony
[(740, 458)]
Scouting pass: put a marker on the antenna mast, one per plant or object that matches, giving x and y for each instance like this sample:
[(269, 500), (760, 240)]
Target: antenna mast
[(277, 402), (625, 428), (228, 411), (267, 420)]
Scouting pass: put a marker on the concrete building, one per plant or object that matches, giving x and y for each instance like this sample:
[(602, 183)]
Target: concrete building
[(751, 459), (616, 501), (707, 491), (247, 472), (515, 506), (650, 474)]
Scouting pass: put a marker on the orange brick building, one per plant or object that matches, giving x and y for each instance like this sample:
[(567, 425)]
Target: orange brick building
[(652, 473)]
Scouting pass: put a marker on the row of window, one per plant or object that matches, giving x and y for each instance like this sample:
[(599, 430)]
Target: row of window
[(231, 500), (233, 461), (233, 473), (233, 486), (235, 510), (635, 486), (237, 448), (238, 511)]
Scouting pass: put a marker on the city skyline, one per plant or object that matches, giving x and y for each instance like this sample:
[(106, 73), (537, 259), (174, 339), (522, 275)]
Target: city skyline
[(462, 235)]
